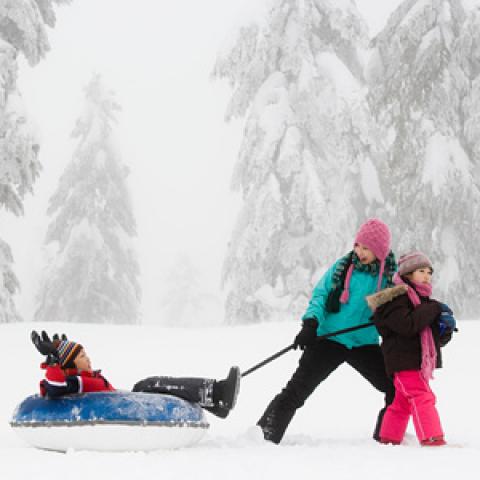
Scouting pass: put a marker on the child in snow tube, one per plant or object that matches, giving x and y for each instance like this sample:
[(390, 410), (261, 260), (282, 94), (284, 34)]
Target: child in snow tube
[(69, 371)]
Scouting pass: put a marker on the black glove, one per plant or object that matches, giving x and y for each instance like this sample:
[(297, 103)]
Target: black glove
[(45, 346), (445, 338), (58, 337), (307, 335)]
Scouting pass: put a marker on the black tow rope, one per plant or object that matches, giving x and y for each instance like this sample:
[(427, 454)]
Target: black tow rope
[(292, 346)]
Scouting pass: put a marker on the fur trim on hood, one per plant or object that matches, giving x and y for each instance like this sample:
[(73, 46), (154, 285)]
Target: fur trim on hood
[(384, 296)]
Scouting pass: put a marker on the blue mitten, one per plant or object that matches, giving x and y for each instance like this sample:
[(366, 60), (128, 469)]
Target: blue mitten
[(446, 320)]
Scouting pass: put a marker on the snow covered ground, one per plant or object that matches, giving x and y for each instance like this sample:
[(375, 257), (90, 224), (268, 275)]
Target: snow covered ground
[(330, 438)]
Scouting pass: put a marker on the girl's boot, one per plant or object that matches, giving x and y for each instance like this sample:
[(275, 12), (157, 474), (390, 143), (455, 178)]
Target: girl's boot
[(433, 442)]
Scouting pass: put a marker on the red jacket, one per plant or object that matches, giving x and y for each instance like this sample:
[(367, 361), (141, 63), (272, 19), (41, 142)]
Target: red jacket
[(60, 382)]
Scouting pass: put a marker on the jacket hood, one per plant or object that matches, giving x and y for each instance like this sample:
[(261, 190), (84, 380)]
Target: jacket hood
[(384, 296)]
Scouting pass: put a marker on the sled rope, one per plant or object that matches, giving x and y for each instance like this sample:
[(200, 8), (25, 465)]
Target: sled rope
[(292, 346)]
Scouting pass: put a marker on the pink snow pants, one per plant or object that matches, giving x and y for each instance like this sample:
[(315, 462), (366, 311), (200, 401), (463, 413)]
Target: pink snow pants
[(413, 396)]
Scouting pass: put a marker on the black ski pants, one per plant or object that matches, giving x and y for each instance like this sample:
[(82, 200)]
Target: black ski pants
[(316, 364), (197, 390)]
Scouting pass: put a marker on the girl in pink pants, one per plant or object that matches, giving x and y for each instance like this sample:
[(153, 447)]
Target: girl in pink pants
[(413, 328), (413, 397)]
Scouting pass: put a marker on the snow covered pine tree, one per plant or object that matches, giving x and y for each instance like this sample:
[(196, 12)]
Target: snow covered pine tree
[(423, 92), (22, 30), (299, 81), (93, 274)]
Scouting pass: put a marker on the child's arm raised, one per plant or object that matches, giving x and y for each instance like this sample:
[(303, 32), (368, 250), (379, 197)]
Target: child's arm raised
[(56, 384)]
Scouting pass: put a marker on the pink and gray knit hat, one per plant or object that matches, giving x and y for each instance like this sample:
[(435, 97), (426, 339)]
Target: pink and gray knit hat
[(410, 262), (375, 235)]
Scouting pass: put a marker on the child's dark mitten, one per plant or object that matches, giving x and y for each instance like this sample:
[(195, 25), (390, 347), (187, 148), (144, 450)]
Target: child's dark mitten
[(45, 346), (59, 338), (446, 320)]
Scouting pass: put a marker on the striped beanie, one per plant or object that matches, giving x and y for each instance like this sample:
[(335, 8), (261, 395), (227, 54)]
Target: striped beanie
[(410, 262), (67, 352)]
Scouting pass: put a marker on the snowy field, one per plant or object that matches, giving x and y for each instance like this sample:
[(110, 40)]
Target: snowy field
[(330, 438)]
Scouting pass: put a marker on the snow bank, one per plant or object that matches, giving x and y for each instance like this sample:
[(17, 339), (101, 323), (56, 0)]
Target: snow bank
[(330, 436)]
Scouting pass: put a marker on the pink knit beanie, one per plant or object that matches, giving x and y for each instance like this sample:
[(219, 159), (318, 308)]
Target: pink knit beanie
[(375, 235), (409, 262)]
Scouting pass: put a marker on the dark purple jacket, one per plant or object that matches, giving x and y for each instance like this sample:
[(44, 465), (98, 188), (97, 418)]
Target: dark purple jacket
[(400, 323)]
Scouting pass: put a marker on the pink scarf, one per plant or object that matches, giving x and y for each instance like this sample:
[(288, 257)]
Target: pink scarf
[(429, 352)]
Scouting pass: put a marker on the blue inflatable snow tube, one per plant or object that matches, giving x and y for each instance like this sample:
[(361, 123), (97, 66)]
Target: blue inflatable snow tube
[(117, 407), (109, 421)]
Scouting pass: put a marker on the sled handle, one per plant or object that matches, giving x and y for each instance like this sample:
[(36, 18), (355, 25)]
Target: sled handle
[(268, 360)]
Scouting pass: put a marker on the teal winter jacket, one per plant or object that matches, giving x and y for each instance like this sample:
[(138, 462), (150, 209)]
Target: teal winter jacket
[(352, 313)]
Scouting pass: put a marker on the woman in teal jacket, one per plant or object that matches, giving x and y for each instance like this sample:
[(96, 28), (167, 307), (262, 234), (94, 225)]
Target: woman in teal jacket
[(338, 302)]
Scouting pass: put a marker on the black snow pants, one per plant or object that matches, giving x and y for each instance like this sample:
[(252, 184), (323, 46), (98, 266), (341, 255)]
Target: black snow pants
[(196, 390), (316, 364)]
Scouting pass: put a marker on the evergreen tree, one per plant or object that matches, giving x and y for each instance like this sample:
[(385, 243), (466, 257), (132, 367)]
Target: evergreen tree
[(10, 286), (467, 49), (93, 277), (308, 138), (19, 166), (420, 92), (185, 301), (22, 30)]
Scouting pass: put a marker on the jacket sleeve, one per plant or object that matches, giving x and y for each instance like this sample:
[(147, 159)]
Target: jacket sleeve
[(401, 318), (316, 307), (56, 384)]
